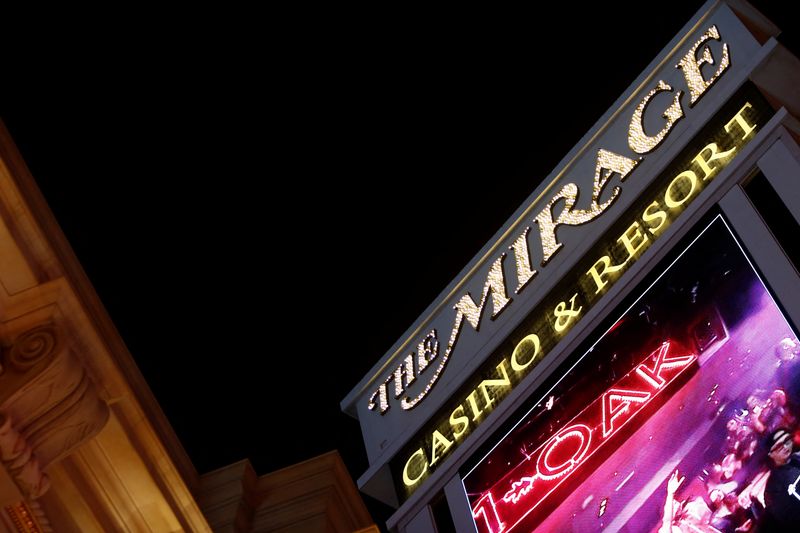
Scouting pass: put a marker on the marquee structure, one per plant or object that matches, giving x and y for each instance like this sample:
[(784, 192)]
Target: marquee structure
[(544, 386)]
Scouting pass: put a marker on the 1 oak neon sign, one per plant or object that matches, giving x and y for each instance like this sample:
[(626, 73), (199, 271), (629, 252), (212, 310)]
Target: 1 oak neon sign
[(524, 487)]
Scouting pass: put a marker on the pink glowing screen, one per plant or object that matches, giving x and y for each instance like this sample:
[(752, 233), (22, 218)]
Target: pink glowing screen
[(690, 378)]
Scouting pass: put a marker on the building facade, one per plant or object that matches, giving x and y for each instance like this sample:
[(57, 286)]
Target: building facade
[(84, 445), (627, 342)]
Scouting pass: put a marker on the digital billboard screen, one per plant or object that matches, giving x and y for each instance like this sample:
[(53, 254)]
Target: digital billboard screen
[(664, 422)]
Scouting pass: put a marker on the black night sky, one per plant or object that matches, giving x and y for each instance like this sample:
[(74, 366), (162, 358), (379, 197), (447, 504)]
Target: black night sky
[(265, 209)]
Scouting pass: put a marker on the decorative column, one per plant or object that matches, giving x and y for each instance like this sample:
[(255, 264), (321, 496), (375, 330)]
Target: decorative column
[(48, 407)]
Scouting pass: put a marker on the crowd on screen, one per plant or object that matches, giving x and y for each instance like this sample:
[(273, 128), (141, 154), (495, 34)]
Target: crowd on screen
[(749, 487)]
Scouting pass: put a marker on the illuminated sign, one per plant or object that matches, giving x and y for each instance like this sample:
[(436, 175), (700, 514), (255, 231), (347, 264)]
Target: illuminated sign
[(596, 447), (557, 459), (423, 367), (717, 144)]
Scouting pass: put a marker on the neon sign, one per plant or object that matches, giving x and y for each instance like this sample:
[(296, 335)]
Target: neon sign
[(525, 486)]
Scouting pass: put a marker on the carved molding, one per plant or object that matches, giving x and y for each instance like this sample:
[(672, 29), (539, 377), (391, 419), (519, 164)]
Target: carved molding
[(28, 517), (20, 462), (48, 406), (33, 346), (41, 281)]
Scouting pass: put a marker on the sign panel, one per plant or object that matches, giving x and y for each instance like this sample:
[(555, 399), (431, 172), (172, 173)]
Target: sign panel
[(660, 422), (715, 147), (597, 182)]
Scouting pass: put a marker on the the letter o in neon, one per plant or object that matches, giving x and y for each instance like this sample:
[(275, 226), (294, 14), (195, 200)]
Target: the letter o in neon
[(575, 432)]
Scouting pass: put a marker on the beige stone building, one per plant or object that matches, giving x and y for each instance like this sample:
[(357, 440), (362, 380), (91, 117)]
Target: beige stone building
[(84, 444)]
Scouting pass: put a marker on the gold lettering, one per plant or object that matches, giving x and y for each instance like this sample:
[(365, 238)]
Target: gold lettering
[(427, 350), (382, 393), (439, 440), (597, 276), (671, 202), (649, 215), (372, 404), (522, 258), (408, 402), (608, 163), (740, 121), (523, 348), (505, 382), (563, 315), (473, 403), (457, 419), (703, 163), (404, 375), (602, 268), (408, 480), (691, 65), (638, 140), (547, 224), (495, 284), (627, 240)]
